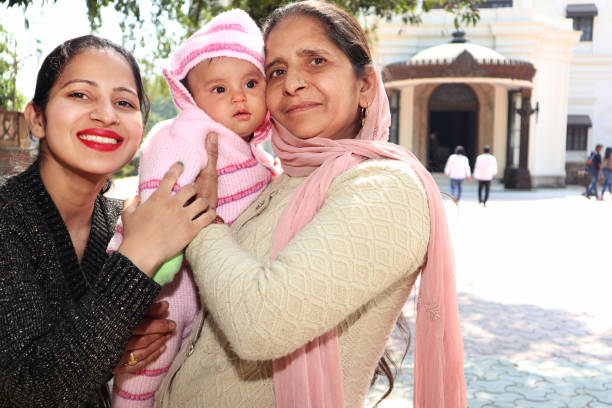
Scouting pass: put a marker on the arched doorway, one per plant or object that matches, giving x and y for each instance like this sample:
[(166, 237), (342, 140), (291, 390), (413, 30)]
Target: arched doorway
[(453, 120)]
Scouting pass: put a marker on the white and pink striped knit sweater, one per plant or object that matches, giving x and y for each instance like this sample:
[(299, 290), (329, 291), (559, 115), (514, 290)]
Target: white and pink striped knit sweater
[(244, 169), (241, 178)]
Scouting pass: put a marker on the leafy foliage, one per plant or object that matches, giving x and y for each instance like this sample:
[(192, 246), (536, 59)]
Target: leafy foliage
[(190, 15), (7, 74), (174, 20)]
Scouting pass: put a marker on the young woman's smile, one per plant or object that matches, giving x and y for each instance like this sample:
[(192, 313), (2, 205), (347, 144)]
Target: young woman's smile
[(104, 140)]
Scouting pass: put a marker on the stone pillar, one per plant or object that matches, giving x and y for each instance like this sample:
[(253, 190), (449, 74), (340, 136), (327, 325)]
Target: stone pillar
[(520, 178)]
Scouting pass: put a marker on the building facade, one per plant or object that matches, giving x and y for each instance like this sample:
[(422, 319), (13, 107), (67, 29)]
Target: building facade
[(476, 93)]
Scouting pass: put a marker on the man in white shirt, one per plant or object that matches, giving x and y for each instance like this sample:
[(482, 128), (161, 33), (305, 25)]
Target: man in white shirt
[(458, 169), (484, 171)]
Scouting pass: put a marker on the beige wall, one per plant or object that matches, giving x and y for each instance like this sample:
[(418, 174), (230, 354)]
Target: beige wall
[(420, 125), (500, 127), (492, 119), (406, 117)]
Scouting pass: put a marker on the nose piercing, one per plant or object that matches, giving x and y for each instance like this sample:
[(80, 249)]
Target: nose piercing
[(301, 82)]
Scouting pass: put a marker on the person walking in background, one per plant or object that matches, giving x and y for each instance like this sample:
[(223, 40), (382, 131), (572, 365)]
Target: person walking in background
[(606, 168), (484, 171), (458, 169), (595, 168)]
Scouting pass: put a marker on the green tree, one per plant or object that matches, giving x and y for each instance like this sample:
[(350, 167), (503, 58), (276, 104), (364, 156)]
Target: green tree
[(192, 14), (162, 107), (10, 97)]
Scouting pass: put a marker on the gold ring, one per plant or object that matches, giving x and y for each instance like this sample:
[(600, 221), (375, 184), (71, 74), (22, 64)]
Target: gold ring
[(132, 361)]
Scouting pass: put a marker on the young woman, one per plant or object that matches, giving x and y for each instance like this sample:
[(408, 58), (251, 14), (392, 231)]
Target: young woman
[(68, 309), (303, 290)]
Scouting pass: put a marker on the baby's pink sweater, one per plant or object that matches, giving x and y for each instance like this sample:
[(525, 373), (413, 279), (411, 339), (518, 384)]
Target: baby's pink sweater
[(244, 170)]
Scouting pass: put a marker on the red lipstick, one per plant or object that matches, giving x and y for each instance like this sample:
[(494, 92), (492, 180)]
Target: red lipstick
[(103, 140)]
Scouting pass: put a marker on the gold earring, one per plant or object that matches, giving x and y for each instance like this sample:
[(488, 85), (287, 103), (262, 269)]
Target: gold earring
[(363, 112)]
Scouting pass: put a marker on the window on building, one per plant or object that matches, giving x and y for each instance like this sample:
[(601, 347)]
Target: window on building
[(577, 132), (584, 24), (394, 107), (576, 138), (582, 16)]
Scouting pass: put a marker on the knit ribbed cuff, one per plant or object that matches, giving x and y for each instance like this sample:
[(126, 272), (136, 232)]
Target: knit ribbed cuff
[(128, 291)]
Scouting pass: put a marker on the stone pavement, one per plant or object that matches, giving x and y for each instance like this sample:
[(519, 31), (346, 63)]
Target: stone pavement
[(534, 282), (534, 276)]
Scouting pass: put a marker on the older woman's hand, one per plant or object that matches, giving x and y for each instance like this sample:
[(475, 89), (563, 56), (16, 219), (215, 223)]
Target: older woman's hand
[(207, 181), (148, 341)]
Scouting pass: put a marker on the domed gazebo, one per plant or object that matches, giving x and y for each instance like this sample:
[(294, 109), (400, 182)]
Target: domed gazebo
[(463, 94)]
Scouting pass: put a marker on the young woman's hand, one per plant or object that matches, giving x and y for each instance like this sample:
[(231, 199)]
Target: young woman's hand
[(165, 223)]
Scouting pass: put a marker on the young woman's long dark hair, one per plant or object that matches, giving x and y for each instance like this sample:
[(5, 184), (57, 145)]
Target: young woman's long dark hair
[(346, 33)]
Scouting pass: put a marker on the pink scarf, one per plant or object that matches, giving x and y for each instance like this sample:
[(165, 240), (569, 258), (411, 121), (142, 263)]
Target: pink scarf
[(312, 375)]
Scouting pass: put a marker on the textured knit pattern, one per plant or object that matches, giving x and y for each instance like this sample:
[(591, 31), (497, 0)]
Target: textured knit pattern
[(352, 266), (63, 325), (244, 170)]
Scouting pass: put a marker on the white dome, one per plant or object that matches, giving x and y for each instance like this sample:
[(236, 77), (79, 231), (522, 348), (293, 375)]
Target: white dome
[(451, 51)]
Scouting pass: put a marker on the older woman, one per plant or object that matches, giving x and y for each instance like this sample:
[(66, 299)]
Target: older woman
[(302, 291)]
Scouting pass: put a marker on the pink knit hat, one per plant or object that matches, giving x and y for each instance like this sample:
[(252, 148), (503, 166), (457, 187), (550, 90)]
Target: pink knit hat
[(230, 34)]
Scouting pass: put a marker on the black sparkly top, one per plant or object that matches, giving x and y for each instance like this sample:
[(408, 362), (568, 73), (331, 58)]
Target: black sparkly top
[(63, 325)]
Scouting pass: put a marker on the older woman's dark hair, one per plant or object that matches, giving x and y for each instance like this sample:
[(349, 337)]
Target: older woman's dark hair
[(342, 29), (608, 153), (56, 61), (345, 32)]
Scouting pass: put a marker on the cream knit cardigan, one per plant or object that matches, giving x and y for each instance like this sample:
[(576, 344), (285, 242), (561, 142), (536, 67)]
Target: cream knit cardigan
[(353, 266)]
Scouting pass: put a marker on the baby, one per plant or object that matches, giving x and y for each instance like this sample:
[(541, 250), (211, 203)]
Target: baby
[(217, 80)]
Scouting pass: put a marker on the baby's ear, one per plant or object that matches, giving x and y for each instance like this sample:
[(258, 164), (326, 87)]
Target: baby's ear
[(36, 122)]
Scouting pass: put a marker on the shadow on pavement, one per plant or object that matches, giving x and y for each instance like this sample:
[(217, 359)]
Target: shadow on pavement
[(520, 355)]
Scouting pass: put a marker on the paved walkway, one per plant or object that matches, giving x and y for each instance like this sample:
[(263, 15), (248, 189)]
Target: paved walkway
[(533, 280)]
